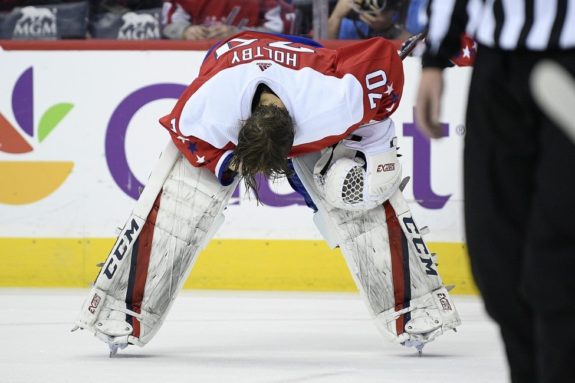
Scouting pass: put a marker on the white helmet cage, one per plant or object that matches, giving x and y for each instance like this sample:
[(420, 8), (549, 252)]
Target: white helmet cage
[(344, 185)]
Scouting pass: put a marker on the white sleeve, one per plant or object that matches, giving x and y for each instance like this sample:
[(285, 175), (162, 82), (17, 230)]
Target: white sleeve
[(175, 20)]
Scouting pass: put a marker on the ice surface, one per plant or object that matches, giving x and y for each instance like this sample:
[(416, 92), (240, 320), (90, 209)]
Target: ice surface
[(240, 337)]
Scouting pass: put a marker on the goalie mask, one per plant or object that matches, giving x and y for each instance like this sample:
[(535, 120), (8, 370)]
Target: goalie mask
[(344, 185), (360, 173)]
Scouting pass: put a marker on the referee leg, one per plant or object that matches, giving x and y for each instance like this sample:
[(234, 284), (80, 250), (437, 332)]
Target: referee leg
[(499, 162), (549, 280)]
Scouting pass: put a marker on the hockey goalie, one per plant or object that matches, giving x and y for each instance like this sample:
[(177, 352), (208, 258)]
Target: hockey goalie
[(281, 106)]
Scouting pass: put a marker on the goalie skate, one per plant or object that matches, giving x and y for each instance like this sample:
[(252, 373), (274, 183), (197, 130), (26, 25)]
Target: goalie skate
[(389, 262), (178, 212)]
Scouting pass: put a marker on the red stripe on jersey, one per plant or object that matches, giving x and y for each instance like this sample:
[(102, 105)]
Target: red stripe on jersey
[(397, 269), (144, 252), (171, 12)]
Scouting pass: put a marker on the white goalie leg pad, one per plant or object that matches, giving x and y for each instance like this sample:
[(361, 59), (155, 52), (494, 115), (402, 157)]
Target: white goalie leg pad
[(389, 261), (150, 261), (123, 245)]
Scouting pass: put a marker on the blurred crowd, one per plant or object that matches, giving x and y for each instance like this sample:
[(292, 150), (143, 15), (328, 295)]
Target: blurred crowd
[(205, 19)]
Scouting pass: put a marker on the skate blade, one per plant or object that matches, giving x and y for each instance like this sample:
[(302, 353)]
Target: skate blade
[(114, 348), (415, 344)]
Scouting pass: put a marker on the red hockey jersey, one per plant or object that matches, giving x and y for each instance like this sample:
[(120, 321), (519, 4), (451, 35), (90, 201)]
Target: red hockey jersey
[(328, 93), (246, 13)]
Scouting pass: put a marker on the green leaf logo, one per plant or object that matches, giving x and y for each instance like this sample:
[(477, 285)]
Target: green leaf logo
[(51, 118)]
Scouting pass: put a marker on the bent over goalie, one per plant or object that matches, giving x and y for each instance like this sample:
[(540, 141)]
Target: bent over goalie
[(278, 105)]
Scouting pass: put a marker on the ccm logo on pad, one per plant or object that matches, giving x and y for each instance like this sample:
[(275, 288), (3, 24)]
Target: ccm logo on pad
[(94, 304), (123, 244), (385, 167), (444, 301)]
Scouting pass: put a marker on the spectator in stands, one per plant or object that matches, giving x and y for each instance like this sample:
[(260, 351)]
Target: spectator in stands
[(416, 18), (126, 19), (209, 19), (360, 19), (122, 6)]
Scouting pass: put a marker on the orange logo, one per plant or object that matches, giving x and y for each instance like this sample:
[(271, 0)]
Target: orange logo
[(26, 182)]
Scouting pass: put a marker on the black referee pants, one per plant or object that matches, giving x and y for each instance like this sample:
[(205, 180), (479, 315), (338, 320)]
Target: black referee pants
[(520, 215)]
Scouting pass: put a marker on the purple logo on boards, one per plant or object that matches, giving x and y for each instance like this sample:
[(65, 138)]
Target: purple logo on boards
[(422, 167), (118, 126)]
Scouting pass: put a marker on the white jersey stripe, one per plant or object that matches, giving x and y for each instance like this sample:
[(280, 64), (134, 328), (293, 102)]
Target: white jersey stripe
[(440, 25), (567, 39), (474, 12), (485, 33), (545, 13), (512, 25)]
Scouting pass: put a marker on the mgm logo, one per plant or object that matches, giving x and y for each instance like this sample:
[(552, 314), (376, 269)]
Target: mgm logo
[(36, 23), (139, 27)]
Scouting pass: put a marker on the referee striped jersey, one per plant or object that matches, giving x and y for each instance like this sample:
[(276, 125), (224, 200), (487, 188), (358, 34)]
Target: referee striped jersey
[(535, 25)]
